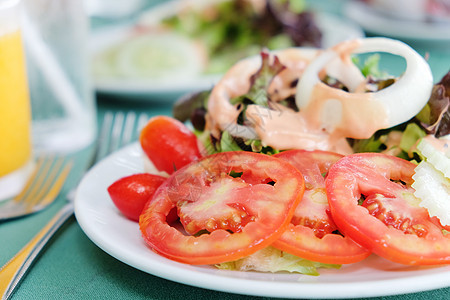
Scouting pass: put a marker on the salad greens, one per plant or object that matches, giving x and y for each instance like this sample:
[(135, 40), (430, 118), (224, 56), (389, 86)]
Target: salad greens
[(207, 37), (400, 140), (435, 117), (231, 30), (194, 106), (271, 259), (260, 81), (370, 66)]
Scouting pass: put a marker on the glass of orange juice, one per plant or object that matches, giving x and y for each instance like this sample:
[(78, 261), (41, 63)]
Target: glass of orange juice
[(15, 112)]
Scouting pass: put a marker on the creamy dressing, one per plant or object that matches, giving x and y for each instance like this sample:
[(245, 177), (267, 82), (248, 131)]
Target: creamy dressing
[(222, 115), (442, 144), (343, 114), (286, 129), (327, 115), (283, 128)]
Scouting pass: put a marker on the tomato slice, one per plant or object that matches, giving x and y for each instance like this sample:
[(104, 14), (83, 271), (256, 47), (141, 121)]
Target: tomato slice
[(389, 220), (130, 193), (169, 144), (230, 217), (312, 232)]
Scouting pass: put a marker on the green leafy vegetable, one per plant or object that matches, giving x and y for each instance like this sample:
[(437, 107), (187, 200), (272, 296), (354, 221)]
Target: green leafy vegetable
[(232, 30), (194, 107), (399, 141), (183, 109), (372, 144), (410, 136), (370, 67), (435, 117), (260, 81), (273, 260), (227, 143)]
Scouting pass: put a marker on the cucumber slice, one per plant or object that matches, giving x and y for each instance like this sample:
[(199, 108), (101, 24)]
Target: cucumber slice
[(433, 188), (163, 55), (436, 153)]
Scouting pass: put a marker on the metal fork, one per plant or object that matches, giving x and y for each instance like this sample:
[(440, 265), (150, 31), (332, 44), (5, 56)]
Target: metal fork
[(40, 190), (117, 130)]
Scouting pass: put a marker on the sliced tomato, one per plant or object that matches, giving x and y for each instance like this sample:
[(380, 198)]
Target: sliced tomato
[(371, 201), (312, 233), (230, 217), (169, 144), (129, 194)]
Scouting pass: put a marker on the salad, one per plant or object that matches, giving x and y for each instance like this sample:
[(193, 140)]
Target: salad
[(206, 37), (300, 159)]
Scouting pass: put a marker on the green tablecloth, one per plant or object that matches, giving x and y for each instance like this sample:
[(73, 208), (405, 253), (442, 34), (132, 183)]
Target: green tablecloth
[(72, 267)]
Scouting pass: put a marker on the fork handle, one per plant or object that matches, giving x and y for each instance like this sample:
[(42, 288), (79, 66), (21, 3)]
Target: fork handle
[(14, 270)]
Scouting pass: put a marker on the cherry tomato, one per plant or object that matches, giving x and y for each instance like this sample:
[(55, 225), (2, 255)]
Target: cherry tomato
[(169, 144), (225, 216), (312, 233), (130, 193), (371, 201)]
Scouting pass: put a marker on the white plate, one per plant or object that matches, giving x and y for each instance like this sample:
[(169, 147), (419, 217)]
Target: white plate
[(378, 23), (334, 30), (122, 239), (145, 89)]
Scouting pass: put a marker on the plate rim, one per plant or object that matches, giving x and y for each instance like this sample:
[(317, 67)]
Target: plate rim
[(212, 279), (374, 22)]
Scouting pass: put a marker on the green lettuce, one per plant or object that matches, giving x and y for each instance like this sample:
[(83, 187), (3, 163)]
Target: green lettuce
[(435, 116), (370, 67), (232, 30), (273, 260)]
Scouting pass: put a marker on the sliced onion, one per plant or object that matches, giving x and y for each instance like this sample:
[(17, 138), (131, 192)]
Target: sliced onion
[(400, 101)]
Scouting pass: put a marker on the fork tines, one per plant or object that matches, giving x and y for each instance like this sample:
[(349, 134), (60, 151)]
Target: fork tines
[(124, 129), (42, 187)]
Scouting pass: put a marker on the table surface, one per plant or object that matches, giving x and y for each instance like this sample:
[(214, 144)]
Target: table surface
[(73, 267)]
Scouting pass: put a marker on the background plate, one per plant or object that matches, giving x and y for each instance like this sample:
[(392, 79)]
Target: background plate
[(381, 24), (334, 30)]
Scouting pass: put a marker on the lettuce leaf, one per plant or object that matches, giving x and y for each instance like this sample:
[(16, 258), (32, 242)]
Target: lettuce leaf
[(232, 30), (227, 143), (260, 81), (410, 136), (399, 141), (435, 116), (273, 260), (433, 119), (370, 66)]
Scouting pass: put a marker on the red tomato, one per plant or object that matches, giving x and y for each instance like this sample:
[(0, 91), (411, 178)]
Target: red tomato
[(312, 232), (230, 217), (169, 144), (130, 193), (389, 222)]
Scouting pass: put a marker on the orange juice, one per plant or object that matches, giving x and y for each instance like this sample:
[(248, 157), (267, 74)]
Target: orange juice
[(15, 112)]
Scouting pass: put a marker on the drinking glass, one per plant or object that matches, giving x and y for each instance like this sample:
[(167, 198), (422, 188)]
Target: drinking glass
[(15, 114), (56, 36)]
